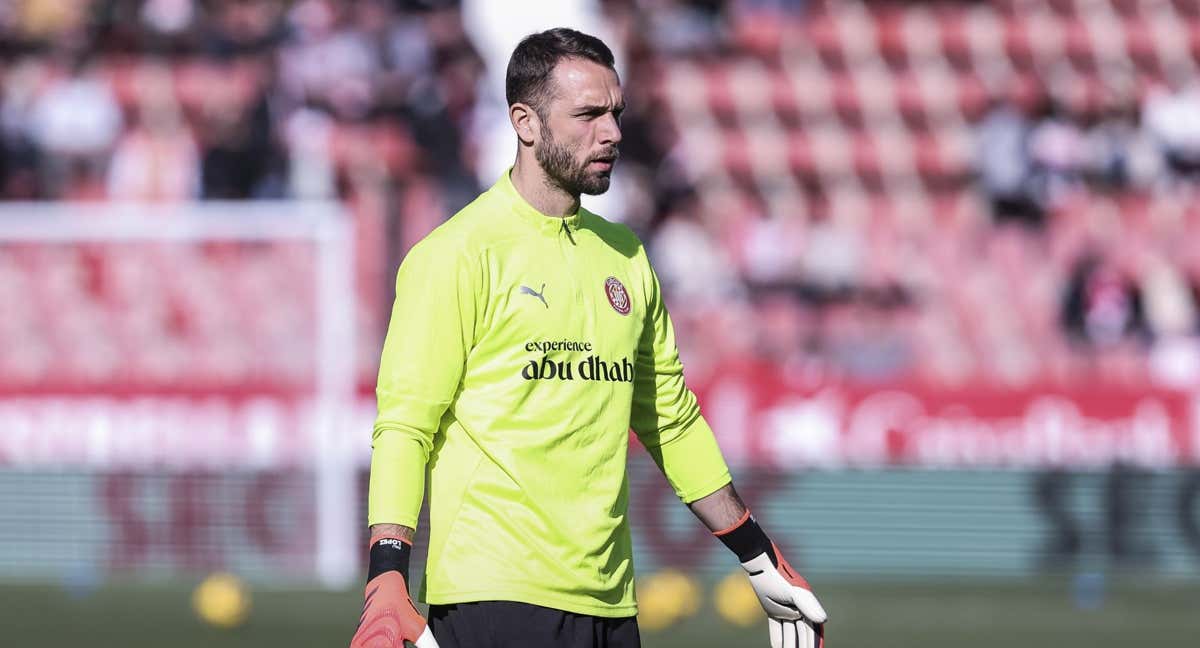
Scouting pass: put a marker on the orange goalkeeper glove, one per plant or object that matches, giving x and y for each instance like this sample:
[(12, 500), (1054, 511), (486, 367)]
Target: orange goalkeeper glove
[(389, 618), (795, 619)]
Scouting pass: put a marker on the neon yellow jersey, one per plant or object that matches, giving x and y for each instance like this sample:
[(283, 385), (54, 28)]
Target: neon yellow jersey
[(521, 350)]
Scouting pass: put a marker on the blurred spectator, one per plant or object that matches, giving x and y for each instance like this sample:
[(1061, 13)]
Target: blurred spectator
[(772, 249), (376, 103), (1118, 153), (833, 253), (1173, 315), (1170, 304), (243, 27), (859, 338), (1003, 158), (74, 122), (309, 135), (21, 157), (1058, 152), (327, 61), (62, 22), (240, 156), (1172, 118), (682, 26), (156, 159), (787, 6), (688, 261), (1102, 307), (787, 332), (168, 18)]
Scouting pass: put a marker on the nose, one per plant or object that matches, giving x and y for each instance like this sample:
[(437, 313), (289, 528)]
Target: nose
[(609, 130)]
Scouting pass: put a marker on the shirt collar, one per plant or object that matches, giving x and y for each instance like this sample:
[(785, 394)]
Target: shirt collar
[(529, 214)]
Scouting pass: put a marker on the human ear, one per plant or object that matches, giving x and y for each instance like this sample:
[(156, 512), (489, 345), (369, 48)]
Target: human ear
[(525, 122)]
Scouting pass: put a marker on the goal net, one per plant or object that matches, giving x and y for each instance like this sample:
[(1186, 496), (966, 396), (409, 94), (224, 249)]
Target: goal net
[(177, 392)]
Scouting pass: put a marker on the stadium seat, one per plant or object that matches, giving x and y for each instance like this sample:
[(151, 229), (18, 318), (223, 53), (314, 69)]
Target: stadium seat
[(760, 34), (846, 102), (953, 37), (783, 100), (1140, 44), (1078, 46), (801, 159), (821, 33), (721, 99)]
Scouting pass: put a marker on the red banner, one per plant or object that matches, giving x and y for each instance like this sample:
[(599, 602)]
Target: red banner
[(761, 419), (182, 431), (759, 416)]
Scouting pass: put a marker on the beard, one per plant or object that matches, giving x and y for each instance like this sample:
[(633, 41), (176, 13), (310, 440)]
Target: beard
[(559, 163)]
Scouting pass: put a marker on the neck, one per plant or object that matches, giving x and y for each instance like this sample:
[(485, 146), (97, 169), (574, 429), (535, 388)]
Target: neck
[(536, 188)]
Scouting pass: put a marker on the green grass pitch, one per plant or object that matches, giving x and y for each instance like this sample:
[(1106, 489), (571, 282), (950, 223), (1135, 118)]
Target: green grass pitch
[(930, 615)]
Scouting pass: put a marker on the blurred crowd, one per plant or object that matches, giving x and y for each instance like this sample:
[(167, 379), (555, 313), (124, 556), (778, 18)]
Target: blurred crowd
[(184, 99), (1036, 150), (1062, 252), (1042, 156)]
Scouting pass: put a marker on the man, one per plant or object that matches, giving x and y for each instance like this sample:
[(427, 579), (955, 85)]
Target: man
[(528, 336)]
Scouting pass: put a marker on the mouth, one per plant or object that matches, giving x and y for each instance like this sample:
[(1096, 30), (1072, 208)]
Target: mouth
[(604, 164)]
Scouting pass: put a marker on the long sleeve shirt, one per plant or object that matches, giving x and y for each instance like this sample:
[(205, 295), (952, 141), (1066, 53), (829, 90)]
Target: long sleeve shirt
[(521, 350)]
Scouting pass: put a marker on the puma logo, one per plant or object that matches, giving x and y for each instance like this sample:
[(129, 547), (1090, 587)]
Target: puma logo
[(526, 290)]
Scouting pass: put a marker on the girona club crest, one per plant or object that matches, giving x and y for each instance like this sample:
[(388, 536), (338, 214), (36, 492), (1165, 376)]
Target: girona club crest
[(617, 297)]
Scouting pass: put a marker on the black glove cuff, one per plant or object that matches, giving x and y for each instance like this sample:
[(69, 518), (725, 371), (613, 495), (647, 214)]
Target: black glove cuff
[(747, 540), (389, 554)]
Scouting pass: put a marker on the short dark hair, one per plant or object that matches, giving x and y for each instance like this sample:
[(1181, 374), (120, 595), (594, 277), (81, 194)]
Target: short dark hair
[(528, 78)]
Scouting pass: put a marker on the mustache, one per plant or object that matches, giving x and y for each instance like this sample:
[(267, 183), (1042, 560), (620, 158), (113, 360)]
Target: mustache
[(609, 155)]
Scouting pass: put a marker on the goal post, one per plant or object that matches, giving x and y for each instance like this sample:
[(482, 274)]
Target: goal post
[(281, 392)]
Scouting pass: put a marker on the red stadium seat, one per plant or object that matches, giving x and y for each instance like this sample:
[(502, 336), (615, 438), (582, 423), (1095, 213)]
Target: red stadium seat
[(1194, 38), (1078, 45), (868, 161), (1127, 8), (721, 100), (1188, 9), (1063, 8), (846, 101), (1139, 43), (783, 100), (910, 101), (890, 37), (736, 157), (955, 40), (972, 96), (821, 33), (801, 158), (760, 34), (1019, 44)]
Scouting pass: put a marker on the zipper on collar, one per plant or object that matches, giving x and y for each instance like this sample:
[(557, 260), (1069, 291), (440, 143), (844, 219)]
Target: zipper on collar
[(566, 228)]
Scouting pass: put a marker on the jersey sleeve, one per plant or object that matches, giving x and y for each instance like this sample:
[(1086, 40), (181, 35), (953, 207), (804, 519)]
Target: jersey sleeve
[(430, 333), (665, 414)]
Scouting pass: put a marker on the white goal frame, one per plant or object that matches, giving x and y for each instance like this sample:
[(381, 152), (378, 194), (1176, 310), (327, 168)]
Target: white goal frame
[(331, 229)]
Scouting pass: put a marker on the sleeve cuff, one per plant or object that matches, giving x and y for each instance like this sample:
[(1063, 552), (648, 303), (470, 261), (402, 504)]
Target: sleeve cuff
[(707, 489)]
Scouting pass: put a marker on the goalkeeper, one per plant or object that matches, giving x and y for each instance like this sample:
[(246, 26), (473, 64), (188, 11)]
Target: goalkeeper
[(528, 336)]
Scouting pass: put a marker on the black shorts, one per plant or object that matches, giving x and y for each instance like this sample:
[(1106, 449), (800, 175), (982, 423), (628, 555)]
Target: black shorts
[(507, 624)]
